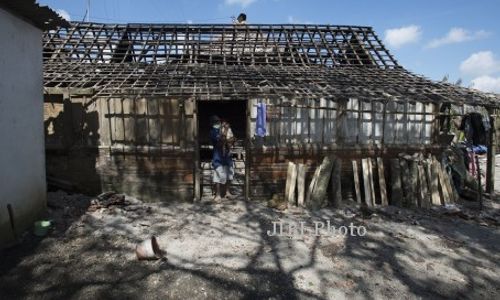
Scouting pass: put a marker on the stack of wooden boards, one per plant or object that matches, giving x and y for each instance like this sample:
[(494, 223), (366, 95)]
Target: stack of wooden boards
[(415, 181), (325, 184)]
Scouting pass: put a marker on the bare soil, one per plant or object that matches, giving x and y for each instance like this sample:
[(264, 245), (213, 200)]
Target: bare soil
[(223, 251)]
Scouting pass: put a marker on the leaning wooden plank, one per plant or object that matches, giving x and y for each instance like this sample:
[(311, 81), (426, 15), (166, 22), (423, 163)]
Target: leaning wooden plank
[(442, 185), (372, 183), (319, 193), (381, 181), (312, 185), (293, 184), (447, 183), (288, 180), (366, 182), (301, 184), (433, 182), (405, 180), (357, 189), (423, 187), (413, 168), (396, 189), (335, 183)]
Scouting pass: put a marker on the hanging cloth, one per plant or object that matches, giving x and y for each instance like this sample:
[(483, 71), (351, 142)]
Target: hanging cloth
[(260, 128)]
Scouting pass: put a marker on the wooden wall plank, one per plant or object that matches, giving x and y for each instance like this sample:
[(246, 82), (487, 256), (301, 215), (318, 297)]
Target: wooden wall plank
[(381, 180)]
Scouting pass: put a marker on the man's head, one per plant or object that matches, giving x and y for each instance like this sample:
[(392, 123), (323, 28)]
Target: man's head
[(214, 120)]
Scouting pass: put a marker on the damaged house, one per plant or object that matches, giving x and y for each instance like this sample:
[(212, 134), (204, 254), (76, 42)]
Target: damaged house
[(127, 108)]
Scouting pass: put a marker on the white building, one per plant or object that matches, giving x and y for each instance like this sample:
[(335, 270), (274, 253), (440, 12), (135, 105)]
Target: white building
[(22, 157)]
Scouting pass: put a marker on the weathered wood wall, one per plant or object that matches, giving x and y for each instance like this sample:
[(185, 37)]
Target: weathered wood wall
[(142, 147), (146, 146)]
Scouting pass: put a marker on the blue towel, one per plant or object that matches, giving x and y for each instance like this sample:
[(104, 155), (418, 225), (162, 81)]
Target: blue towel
[(260, 126)]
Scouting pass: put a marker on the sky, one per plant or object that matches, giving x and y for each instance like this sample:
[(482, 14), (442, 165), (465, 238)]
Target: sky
[(459, 39)]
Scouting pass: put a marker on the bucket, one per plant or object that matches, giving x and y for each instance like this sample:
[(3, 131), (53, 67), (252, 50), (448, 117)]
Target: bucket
[(148, 249), (41, 228)]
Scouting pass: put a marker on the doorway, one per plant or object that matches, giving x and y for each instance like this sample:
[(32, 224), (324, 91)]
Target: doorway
[(235, 113)]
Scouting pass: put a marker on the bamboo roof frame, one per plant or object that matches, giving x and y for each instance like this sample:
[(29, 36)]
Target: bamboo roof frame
[(226, 61)]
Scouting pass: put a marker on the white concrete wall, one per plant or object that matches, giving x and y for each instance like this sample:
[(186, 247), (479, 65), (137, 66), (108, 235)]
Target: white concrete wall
[(22, 157)]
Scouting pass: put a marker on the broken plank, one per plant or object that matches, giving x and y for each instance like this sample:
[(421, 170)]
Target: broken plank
[(357, 189), (312, 184), (319, 193), (381, 181)]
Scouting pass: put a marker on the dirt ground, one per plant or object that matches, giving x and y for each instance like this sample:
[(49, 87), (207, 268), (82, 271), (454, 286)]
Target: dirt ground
[(223, 251)]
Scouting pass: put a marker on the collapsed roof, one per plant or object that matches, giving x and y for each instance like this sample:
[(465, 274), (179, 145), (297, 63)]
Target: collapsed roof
[(226, 61)]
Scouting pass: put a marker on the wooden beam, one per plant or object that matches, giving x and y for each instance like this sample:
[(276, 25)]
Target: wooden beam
[(490, 165), (357, 188), (396, 188), (335, 183), (433, 182), (319, 194), (312, 185), (367, 173), (381, 182), (301, 184), (291, 184), (196, 155), (248, 149), (423, 187)]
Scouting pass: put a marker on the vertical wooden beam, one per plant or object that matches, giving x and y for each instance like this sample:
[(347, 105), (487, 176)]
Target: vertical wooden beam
[(433, 182), (196, 154), (367, 173), (381, 181), (335, 183), (301, 184), (248, 149), (357, 188), (490, 167), (423, 187), (291, 183), (396, 189)]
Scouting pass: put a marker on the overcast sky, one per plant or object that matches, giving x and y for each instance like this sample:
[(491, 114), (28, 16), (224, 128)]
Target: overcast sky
[(460, 38)]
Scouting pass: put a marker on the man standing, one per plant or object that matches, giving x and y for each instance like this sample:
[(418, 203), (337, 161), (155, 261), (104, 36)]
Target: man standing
[(222, 139)]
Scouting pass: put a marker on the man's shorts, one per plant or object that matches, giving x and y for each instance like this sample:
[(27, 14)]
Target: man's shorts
[(222, 174)]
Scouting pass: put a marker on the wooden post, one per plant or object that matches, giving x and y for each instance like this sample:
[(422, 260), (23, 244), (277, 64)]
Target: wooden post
[(406, 185), (335, 182), (365, 166), (490, 168), (248, 150), (424, 187), (301, 184), (433, 182), (381, 181), (291, 183), (396, 189), (357, 188), (197, 181)]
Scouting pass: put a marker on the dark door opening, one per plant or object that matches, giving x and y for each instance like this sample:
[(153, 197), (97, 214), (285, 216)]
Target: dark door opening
[(235, 113)]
